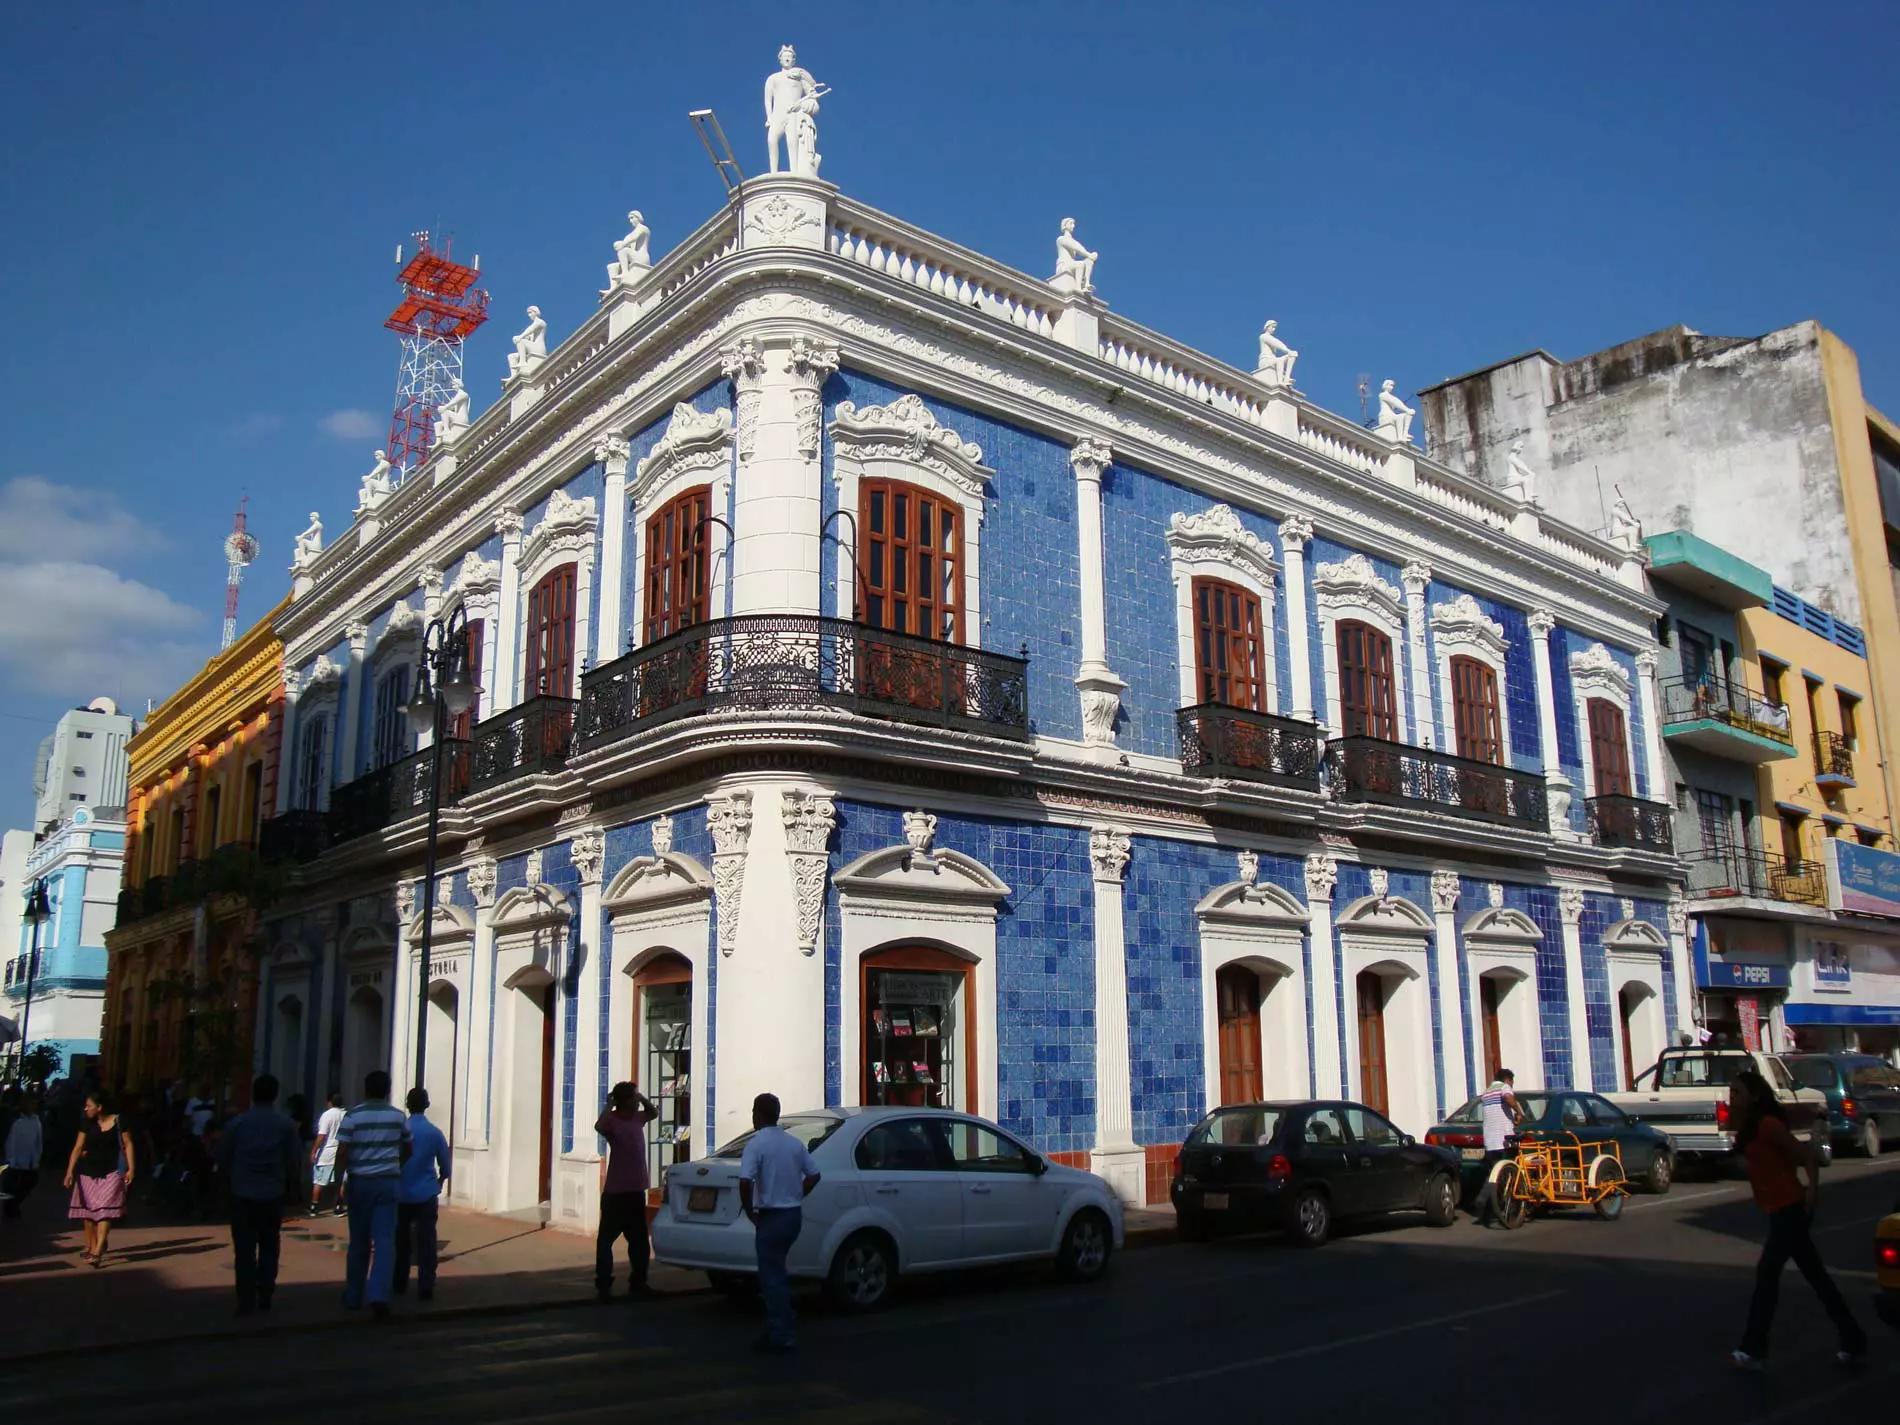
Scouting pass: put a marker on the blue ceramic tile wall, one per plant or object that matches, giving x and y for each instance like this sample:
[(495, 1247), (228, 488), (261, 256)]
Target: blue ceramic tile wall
[(1553, 999), (1599, 914)]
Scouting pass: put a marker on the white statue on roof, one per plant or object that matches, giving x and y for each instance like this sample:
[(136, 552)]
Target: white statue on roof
[(1625, 529), (376, 486), (1395, 417), (1276, 357), (531, 345), (309, 545), (1520, 481), (1075, 264), (791, 106), (451, 417), (631, 259)]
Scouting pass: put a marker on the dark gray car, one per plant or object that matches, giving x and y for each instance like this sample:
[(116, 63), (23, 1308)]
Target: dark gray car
[(1863, 1097)]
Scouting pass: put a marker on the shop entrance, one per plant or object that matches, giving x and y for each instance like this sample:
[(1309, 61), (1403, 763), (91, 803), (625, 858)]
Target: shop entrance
[(663, 1057), (439, 1077), (919, 1034), (1370, 988), (1237, 989)]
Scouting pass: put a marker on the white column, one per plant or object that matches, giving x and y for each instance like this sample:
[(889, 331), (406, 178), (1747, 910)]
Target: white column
[(343, 764), (286, 743), (429, 581), (481, 991), (589, 850), (613, 453), (1652, 725), (1416, 577), (1295, 532), (1684, 964), (583, 618), (507, 635), (776, 519), (1542, 621), (1115, 1156), (402, 1000), (1570, 908), (1451, 999), (1101, 690), (1322, 874)]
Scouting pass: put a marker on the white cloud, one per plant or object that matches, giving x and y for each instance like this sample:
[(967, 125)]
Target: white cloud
[(38, 517), (351, 425), (254, 427), (79, 630)]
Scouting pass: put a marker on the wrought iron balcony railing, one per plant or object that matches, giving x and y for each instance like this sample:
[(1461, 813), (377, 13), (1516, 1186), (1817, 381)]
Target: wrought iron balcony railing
[(1369, 769), (294, 836), (398, 791), (533, 737), (1833, 757), (1726, 871), (1632, 822), (781, 662), (1222, 741), (1723, 700)]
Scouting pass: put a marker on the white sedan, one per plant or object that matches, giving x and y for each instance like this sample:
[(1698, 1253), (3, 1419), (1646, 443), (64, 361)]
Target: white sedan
[(904, 1190)]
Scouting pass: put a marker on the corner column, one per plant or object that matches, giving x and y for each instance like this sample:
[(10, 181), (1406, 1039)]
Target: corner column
[(1101, 690), (508, 599), (1451, 996), (1296, 532), (1652, 724), (1322, 874), (589, 851), (1115, 1156), (775, 513), (1684, 969), (1570, 908), (613, 453), (286, 743), (1542, 621), (343, 765), (1416, 577)]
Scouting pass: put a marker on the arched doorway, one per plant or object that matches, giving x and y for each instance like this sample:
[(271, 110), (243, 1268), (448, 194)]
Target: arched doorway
[(919, 1032), (287, 1042), (444, 1047), (1370, 991), (1237, 991), (362, 1039), (525, 1087), (663, 1057), (1637, 1014), (1491, 990)]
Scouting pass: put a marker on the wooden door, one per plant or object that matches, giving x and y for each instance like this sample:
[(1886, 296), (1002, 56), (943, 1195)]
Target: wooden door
[(545, 1182), (1609, 748), (1237, 992), (550, 663), (1488, 1015), (1623, 1010), (676, 584), (1368, 703), (1372, 1085), (1228, 653), (1474, 701)]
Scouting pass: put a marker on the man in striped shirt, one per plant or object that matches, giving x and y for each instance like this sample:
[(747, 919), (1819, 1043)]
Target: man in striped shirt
[(1500, 1114), (372, 1146)]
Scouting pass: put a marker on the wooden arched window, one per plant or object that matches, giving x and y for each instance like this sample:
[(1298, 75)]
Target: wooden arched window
[(1609, 748), (677, 561), (1368, 702), (550, 662), (910, 559), (1229, 656), (1474, 710)]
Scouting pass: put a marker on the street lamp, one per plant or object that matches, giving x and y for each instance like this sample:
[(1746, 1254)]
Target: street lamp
[(38, 911), (444, 661)]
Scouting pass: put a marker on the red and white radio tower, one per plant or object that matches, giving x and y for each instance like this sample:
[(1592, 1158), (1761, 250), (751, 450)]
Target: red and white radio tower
[(240, 548), (440, 307)]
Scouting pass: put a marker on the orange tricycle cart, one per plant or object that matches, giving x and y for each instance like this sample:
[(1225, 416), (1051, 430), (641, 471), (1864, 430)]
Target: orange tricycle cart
[(1559, 1170)]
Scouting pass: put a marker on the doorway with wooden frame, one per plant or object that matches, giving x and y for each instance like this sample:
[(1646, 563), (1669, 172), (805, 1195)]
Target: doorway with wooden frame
[(1370, 990), (1237, 990), (662, 1058)]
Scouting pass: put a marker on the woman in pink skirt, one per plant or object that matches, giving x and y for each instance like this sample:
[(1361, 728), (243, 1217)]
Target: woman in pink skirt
[(93, 1173)]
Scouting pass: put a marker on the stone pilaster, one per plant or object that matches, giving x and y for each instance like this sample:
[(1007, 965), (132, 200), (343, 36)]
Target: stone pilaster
[(776, 515), (588, 850), (1322, 874), (1296, 532), (1652, 726), (343, 763), (609, 641), (1101, 690), (1451, 997), (1417, 577), (1679, 932), (1115, 1156), (1570, 910), (508, 612), (1542, 621)]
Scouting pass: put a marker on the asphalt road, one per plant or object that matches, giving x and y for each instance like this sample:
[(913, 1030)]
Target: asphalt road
[(1570, 1319)]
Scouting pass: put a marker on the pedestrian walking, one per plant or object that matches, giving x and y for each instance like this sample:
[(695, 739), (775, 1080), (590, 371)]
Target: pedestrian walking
[(372, 1143), (262, 1165), (623, 1190), (1773, 1157), (323, 1156), (94, 1174), (776, 1175), (26, 1143), (1500, 1113), (418, 1196)]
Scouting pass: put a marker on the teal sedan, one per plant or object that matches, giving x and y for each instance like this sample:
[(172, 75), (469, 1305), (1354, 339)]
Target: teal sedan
[(1649, 1159)]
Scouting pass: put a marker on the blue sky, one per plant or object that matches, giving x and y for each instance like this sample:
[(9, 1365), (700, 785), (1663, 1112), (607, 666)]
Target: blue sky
[(202, 202)]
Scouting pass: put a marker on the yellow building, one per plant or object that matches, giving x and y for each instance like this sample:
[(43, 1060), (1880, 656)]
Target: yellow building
[(181, 985)]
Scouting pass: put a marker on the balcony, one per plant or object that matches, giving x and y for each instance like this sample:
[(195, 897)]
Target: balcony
[(1221, 741), (396, 792), (294, 836), (1367, 769), (534, 737), (232, 869), (1631, 823), (1724, 719), (789, 662), (1727, 873), (1833, 760)]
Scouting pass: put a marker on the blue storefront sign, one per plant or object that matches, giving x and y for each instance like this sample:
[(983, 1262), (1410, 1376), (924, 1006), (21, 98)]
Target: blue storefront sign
[(1863, 879), (1725, 975)]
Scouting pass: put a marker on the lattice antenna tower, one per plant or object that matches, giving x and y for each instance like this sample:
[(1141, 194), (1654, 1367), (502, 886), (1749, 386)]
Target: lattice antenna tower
[(240, 548), (440, 307)]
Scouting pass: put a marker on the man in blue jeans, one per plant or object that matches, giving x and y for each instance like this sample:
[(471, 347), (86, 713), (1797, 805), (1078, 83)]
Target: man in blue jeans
[(372, 1145), (418, 1193), (776, 1175)]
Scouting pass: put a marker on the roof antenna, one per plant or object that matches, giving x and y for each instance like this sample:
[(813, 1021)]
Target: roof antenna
[(1603, 505), (713, 137)]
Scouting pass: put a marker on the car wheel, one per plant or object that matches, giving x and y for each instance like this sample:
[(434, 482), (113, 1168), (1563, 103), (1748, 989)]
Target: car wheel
[(1662, 1173), (1083, 1256), (862, 1273), (1870, 1139), (1312, 1218), (1441, 1200)]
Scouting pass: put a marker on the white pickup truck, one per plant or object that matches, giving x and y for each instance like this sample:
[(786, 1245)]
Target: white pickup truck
[(1685, 1094)]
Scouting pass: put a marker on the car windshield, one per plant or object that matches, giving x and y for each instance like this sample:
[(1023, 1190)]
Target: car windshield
[(1873, 1075), (1812, 1073), (810, 1129), (1237, 1127), (1685, 1071), (1534, 1105)]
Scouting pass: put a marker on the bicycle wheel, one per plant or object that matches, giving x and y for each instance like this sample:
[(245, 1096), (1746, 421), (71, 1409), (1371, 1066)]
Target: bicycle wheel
[(1513, 1209)]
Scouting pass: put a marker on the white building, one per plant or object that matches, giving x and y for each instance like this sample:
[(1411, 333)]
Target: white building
[(80, 863), (82, 763)]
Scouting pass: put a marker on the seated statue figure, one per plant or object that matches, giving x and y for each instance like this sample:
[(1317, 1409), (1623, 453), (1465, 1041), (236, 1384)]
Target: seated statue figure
[(451, 418), (1276, 357), (309, 543), (1395, 417), (1625, 528), (631, 259), (1073, 260), (377, 486), (531, 344), (1520, 483)]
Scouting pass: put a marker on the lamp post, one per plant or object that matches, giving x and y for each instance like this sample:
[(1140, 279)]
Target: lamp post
[(443, 663), (38, 912)]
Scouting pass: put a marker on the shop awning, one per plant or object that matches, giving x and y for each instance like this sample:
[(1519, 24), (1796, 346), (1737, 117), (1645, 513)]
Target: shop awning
[(1847, 1015)]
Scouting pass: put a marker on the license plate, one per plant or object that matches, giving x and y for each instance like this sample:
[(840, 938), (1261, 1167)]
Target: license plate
[(1474, 1155), (702, 1199), (1214, 1201)]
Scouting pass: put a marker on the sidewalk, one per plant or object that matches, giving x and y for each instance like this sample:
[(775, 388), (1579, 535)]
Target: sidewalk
[(171, 1279)]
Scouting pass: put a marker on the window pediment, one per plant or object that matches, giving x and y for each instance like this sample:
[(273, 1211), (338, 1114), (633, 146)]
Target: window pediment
[(403, 628), (322, 680), (649, 883), (477, 584), (530, 908), (452, 926), (901, 873), (1354, 586), (1637, 936), (907, 433), (566, 532), (1595, 673), (1384, 915), (1499, 925), (1243, 905), (1217, 538), (1460, 626), (697, 446)]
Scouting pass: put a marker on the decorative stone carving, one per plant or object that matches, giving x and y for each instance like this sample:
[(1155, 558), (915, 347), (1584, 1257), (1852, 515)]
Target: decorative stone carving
[(809, 819), (1626, 530), (1628, 907), (429, 581), (729, 820), (1354, 582), (1520, 482), (405, 901), (508, 525), (1275, 367), (566, 529), (662, 835), (1101, 705), (589, 852), (1416, 577), (481, 881), (403, 622), (1322, 874), (1109, 850), (1218, 535), (1381, 884), (1444, 892), (324, 673), (1296, 532), (1249, 866), (920, 832), (451, 417), (1596, 671), (791, 108), (611, 450), (1395, 417), (694, 444), (1494, 895), (536, 867), (1090, 459), (479, 578), (778, 219), (1570, 904), (811, 364), (906, 430), (1460, 624), (445, 888), (1541, 622), (1558, 795), (1647, 662), (631, 260), (376, 487), (309, 545), (745, 368), (1678, 915), (1075, 264)]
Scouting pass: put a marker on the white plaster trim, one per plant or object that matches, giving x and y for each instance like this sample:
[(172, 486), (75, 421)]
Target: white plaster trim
[(1349, 591), (1261, 927), (1410, 1070), (1461, 629), (565, 535), (1644, 969), (1215, 545), (1595, 673), (1520, 1016), (695, 449)]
